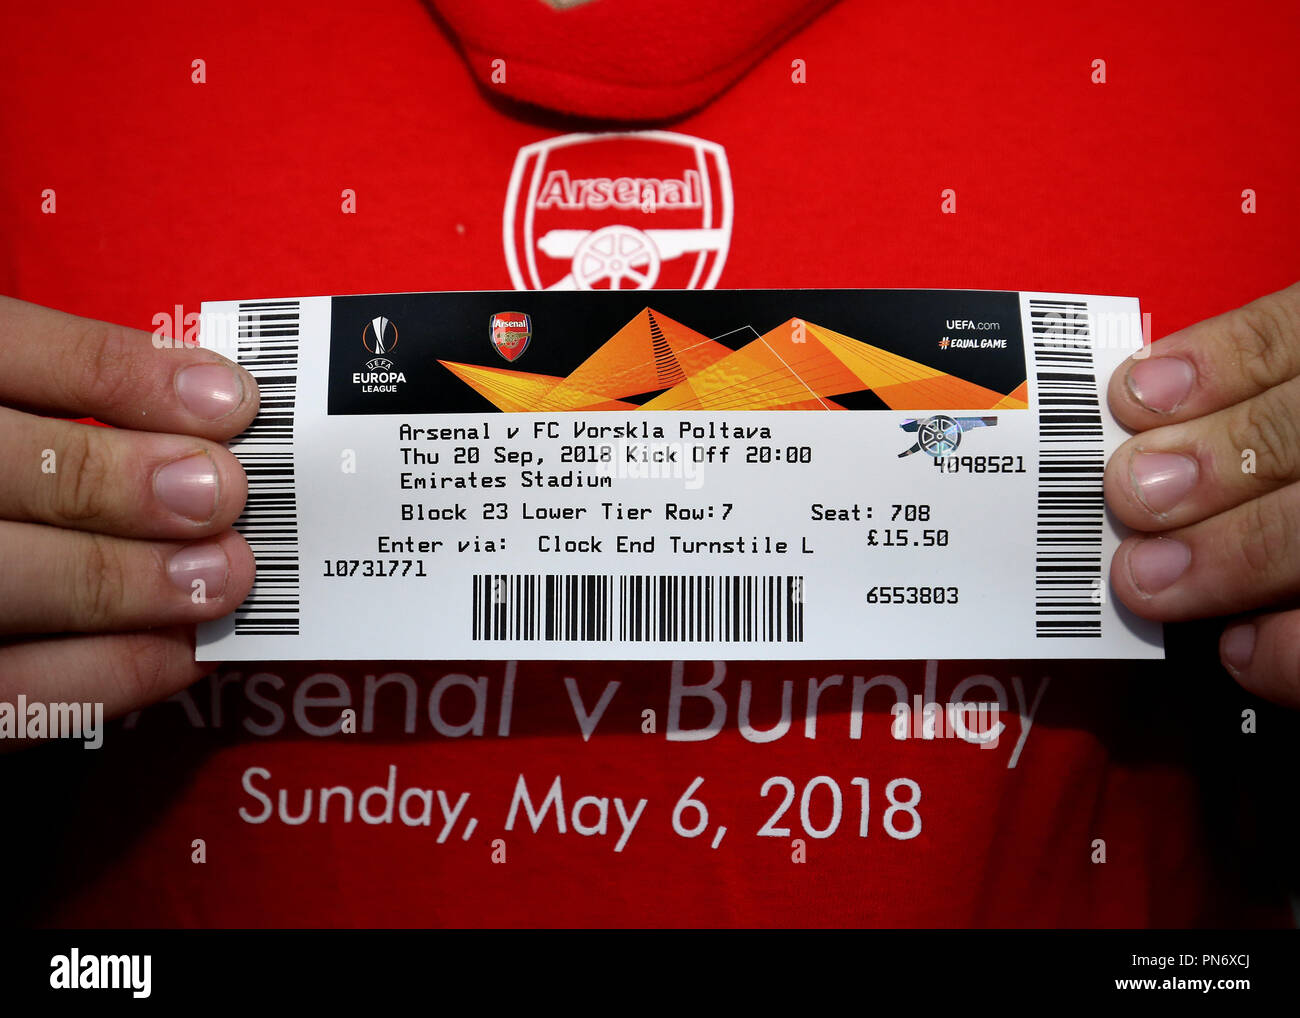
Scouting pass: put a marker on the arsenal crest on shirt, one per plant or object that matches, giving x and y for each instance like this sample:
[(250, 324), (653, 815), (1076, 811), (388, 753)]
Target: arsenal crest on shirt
[(626, 210), (510, 332)]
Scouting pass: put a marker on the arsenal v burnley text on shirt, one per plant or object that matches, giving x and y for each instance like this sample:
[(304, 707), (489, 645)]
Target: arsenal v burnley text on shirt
[(754, 474)]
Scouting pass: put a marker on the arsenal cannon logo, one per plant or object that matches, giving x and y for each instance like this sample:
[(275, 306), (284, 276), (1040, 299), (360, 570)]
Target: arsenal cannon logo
[(618, 211), (510, 332), (940, 435)]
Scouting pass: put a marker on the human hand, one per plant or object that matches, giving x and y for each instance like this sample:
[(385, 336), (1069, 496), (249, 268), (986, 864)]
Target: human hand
[(113, 542), (1213, 472)]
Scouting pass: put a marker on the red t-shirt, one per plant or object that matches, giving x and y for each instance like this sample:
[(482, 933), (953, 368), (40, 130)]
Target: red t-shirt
[(1118, 794)]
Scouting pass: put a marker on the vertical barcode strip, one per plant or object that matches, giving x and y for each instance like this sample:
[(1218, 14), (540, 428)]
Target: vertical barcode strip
[(268, 349), (637, 609), (1067, 579)]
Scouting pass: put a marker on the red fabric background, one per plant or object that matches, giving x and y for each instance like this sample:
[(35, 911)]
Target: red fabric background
[(172, 193), (632, 59)]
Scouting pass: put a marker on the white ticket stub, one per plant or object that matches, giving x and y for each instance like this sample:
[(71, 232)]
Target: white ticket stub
[(747, 474)]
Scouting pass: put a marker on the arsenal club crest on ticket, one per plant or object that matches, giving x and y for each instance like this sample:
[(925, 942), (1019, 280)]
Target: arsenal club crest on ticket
[(510, 332)]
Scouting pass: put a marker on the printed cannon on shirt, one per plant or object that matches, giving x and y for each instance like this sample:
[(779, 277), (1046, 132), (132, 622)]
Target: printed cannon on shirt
[(604, 258)]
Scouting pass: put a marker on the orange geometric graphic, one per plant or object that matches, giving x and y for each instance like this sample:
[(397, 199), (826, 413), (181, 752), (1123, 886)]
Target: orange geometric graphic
[(520, 391), (1017, 399), (796, 366)]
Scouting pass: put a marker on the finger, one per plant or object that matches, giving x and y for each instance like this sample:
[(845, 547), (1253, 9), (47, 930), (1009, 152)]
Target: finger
[(1182, 473), (1245, 558), (54, 581), (114, 481), (1263, 654), (123, 671), (57, 363), (1210, 365)]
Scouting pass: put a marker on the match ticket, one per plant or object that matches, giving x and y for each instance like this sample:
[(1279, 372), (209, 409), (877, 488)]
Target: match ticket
[(679, 474)]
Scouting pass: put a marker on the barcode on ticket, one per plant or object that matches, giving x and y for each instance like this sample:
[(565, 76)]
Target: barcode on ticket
[(268, 337), (632, 608), (1071, 464)]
